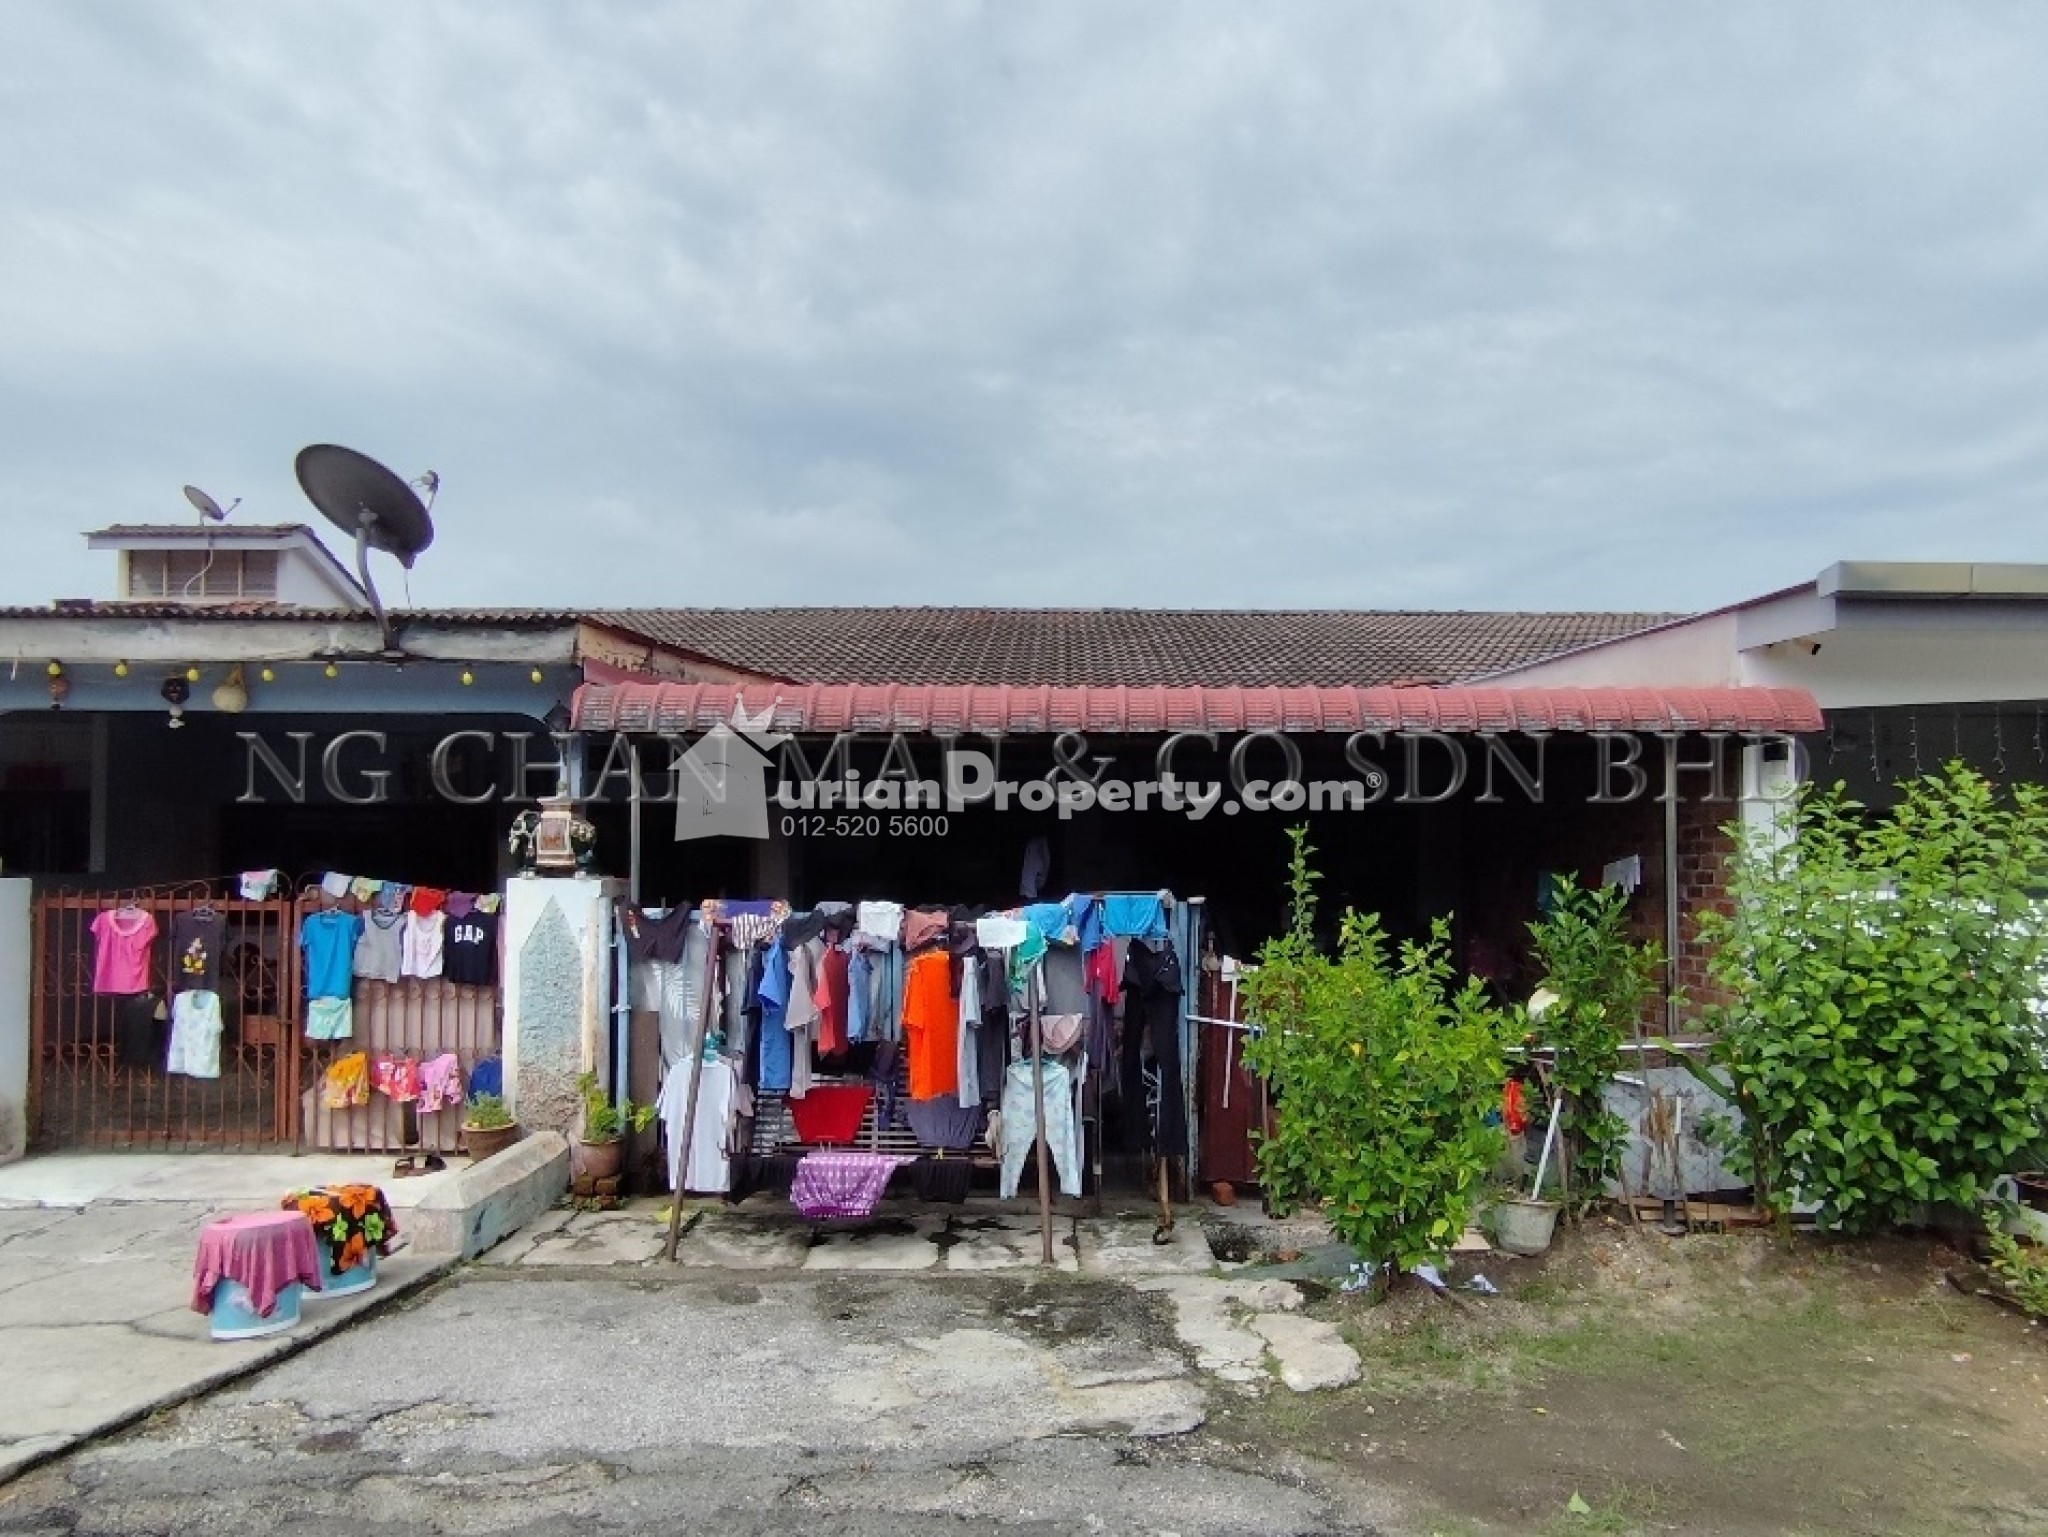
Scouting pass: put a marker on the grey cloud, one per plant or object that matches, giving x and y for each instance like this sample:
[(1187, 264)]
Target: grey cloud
[(1461, 305)]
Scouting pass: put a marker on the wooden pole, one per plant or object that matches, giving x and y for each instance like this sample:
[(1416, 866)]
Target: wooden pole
[(1038, 1099)]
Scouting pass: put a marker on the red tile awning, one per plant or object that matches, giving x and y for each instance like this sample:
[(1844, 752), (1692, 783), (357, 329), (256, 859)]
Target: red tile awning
[(937, 710)]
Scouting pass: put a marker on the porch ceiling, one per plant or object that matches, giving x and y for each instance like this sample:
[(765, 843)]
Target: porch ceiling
[(940, 710)]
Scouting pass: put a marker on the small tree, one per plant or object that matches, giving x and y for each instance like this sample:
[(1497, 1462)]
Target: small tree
[(1600, 980), (1384, 1071), (1883, 1042)]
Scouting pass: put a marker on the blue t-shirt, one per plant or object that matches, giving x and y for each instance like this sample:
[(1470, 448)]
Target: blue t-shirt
[(777, 1055), (329, 942)]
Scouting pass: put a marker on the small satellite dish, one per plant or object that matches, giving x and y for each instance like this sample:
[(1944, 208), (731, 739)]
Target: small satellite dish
[(369, 504), (209, 509)]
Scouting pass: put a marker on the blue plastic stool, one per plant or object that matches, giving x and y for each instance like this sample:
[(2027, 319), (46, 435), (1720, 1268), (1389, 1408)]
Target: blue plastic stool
[(234, 1318), (359, 1277)]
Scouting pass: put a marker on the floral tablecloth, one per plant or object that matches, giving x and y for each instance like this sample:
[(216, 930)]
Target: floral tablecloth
[(349, 1220)]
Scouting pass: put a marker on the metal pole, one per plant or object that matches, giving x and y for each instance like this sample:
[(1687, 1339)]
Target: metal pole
[(633, 830), (1670, 886)]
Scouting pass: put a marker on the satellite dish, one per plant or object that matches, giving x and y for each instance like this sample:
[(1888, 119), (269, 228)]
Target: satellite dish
[(368, 503), (208, 508)]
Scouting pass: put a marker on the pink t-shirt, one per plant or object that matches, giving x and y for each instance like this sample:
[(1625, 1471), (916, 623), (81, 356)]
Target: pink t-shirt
[(121, 964)]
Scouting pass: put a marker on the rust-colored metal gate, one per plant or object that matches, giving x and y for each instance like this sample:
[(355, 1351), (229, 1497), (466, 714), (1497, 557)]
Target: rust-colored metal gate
[(97, 1073)]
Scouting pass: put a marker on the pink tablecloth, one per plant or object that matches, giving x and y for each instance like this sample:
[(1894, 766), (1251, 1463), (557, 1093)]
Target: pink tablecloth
[(842, 1184), (265, 1250)]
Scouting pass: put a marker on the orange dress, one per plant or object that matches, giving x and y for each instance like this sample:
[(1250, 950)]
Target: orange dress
[(931, 1026)]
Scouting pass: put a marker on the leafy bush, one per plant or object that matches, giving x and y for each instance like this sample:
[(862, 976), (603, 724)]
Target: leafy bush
[(1384, 1071), (486, 1112), (2023, 1270), (1883, 1042), (1601, 980), (604, 1121)]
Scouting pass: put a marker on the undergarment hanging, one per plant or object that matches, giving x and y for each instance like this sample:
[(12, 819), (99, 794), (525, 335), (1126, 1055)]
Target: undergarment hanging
[(830, 1113)]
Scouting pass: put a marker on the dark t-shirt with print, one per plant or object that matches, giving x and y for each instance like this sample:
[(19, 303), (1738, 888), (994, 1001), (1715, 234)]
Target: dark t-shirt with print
[(195, 952), (469, 950)]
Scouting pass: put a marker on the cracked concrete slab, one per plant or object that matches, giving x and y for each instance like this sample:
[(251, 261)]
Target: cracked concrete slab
[(726, 1241), (1123, 1246), (1311, 1354), (599, 1238), (1008, 1243), (879, 1247)]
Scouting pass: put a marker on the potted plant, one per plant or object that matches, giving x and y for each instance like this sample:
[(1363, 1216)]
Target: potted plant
[(487, 1126), (600, 1148)]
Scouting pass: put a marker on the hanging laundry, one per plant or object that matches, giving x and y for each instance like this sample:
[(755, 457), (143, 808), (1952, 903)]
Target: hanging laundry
[(1000, 931), (393, 898), (1084, 913), (195, 1034), (944, 1122), (709, 1168), (879, 921), (195, 950), (923, 926), (123, 936), (860, 993), (1152, 998), (830, 1113), (258, 885), (968, 1084), (440, 1083), (773, 995), (420, 952), (488, 901), (328, 941), (346, 1083), (426, 899), (336, 885), (833, 986), (379, 946), (931, 1024), (329, 1019), (138, 1033), (365, 889), (1051, 920), (1037, 868), (842, 1184), (396, 1078), (1134, 917), (1020, 1124), (459, 904), (471, 949), (487, 1077)]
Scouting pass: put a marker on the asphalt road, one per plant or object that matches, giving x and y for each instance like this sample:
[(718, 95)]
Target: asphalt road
[(587, 1402)]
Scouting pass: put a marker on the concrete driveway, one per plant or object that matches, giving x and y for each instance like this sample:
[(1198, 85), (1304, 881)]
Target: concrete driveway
[(557, 1399)]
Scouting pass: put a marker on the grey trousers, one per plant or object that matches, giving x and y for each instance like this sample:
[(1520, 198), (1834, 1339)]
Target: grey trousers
[(1020, 1125)]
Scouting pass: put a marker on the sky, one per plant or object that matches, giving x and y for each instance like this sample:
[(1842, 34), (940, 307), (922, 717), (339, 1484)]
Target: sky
[(1437, 305)]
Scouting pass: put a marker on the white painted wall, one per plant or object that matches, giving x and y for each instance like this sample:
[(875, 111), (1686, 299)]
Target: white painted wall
[(1864, 669), (15, 951), (559, 1024)]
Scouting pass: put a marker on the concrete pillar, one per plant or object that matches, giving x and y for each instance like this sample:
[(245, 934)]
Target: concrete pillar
[(556, 992), (16, 949)]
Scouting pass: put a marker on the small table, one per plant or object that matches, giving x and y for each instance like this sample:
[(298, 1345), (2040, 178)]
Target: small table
[(263, 1251)]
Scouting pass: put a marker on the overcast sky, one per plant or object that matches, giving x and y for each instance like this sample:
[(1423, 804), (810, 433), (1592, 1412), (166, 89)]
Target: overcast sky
[(1436, 305)]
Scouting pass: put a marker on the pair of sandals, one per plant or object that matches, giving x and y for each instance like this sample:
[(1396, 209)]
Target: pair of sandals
[(412, 1164)]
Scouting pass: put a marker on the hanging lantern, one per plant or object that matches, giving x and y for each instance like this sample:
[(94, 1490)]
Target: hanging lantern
[(232, 696), (331, 670), (120, 669)]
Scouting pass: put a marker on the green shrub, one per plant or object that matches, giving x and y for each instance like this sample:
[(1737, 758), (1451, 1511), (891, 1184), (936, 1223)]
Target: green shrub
[(1601, 980), (604, 1121), (1384, 1071), (1882, 1042), (486, 1112), (2023, 1270)]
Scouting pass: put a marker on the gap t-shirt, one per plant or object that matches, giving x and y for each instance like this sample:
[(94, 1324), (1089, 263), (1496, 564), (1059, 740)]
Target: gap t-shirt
[(328, 940), (469, 951)]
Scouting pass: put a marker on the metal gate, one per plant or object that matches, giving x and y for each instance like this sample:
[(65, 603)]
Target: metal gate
[(97, 1074)]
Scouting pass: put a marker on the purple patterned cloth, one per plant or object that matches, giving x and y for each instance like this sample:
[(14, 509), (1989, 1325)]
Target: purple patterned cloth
[(840, 1184)]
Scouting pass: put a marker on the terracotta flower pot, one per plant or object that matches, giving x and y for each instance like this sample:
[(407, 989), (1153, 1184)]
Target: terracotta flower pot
[(483, 1141), (597, 1160)]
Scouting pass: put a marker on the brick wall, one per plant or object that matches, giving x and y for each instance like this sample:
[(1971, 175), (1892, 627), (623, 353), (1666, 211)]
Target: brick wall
[(1704, 850)]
